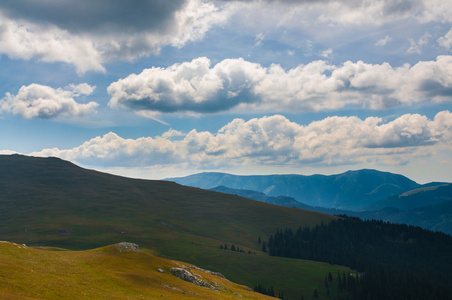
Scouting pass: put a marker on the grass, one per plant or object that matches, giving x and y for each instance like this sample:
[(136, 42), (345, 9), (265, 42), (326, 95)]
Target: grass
[(42, 196), (104, 273)]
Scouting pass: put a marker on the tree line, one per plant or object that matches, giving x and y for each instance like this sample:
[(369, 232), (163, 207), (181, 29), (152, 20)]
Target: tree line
[(395, 261)]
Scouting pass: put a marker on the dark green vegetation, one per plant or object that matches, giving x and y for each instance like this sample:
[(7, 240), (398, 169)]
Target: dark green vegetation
[(395, 261), (352, 190), (50, 202)]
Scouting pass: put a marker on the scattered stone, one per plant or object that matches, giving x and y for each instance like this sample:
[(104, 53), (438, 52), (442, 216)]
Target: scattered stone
[(124, 246), (160, 270), (189, 277)]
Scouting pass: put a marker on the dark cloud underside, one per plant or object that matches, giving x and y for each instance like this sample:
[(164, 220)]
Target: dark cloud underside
[(96, 16)]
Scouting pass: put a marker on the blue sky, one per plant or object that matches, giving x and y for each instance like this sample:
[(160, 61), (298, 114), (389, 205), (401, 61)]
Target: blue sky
[(156, 89)]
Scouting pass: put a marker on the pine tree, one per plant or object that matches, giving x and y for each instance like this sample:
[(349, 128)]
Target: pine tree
[(264, 247)]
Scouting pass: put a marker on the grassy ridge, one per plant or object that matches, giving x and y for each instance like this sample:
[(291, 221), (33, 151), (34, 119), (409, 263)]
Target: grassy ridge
[(50, 202), (103, 273)]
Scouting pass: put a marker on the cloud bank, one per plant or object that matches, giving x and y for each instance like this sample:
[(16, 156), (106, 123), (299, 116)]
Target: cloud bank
[(271, 141), (241, 86), (89, 34), (44, 102)]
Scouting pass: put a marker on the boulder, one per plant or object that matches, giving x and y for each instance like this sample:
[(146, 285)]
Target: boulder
[(189, 277), (127, 247)]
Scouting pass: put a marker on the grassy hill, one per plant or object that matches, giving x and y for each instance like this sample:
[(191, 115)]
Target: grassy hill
[(103, 273), (50, 202)]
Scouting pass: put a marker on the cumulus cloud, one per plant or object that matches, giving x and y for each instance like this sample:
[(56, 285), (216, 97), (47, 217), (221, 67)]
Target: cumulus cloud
[(238, 85), (89, 34), (272, 141), (44, 102)]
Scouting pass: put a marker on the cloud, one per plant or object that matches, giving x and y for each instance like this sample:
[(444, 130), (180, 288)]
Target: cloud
[(272, 141), (89, 34), (446, 41), (259, 39), (347, 13), (241, 86), (44, 102), (191, 86), (415, 47), (383, 41)]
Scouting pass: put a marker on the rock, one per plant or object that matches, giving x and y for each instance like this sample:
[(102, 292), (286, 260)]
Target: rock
[(160, 270), (189, 277), (208, 271), (124, 246)]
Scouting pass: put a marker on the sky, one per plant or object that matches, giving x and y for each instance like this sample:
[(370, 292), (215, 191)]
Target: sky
[(156, 89)]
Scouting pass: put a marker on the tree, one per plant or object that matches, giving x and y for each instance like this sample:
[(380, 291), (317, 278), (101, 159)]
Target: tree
[(316, 294), (232, 248), (259, 241), (264, 247)]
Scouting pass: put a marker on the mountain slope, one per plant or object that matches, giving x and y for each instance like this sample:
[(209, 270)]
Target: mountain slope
[(435, 217), (50, 202), (352, 190), (420, 197), (103, 273)]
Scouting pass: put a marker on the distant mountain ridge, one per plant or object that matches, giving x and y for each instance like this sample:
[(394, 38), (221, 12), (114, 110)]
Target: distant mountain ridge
[(352, 190), (422, 212)]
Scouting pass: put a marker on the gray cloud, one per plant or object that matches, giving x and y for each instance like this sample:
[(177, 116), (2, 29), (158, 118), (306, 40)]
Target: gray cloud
[(89, 34), (238, 85), (99, 16)]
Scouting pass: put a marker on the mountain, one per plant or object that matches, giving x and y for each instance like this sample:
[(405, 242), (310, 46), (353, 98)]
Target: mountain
[(51, 202), (426, 214), (258, 196), (352, 190), (105, 273), (420, 197)]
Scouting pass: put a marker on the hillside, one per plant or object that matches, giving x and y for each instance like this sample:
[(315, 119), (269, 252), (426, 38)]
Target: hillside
[(352, 190), (104, 273), (51, 202)]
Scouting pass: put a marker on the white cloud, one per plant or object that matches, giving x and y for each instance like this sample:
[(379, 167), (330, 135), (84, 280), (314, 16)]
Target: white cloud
[(297, 14), (88, 35), (446, 41), (327, 53), (23, 40), (259, 39), (40, 101), (383, 41), (416, 46), (273, 141), (238, 85)]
